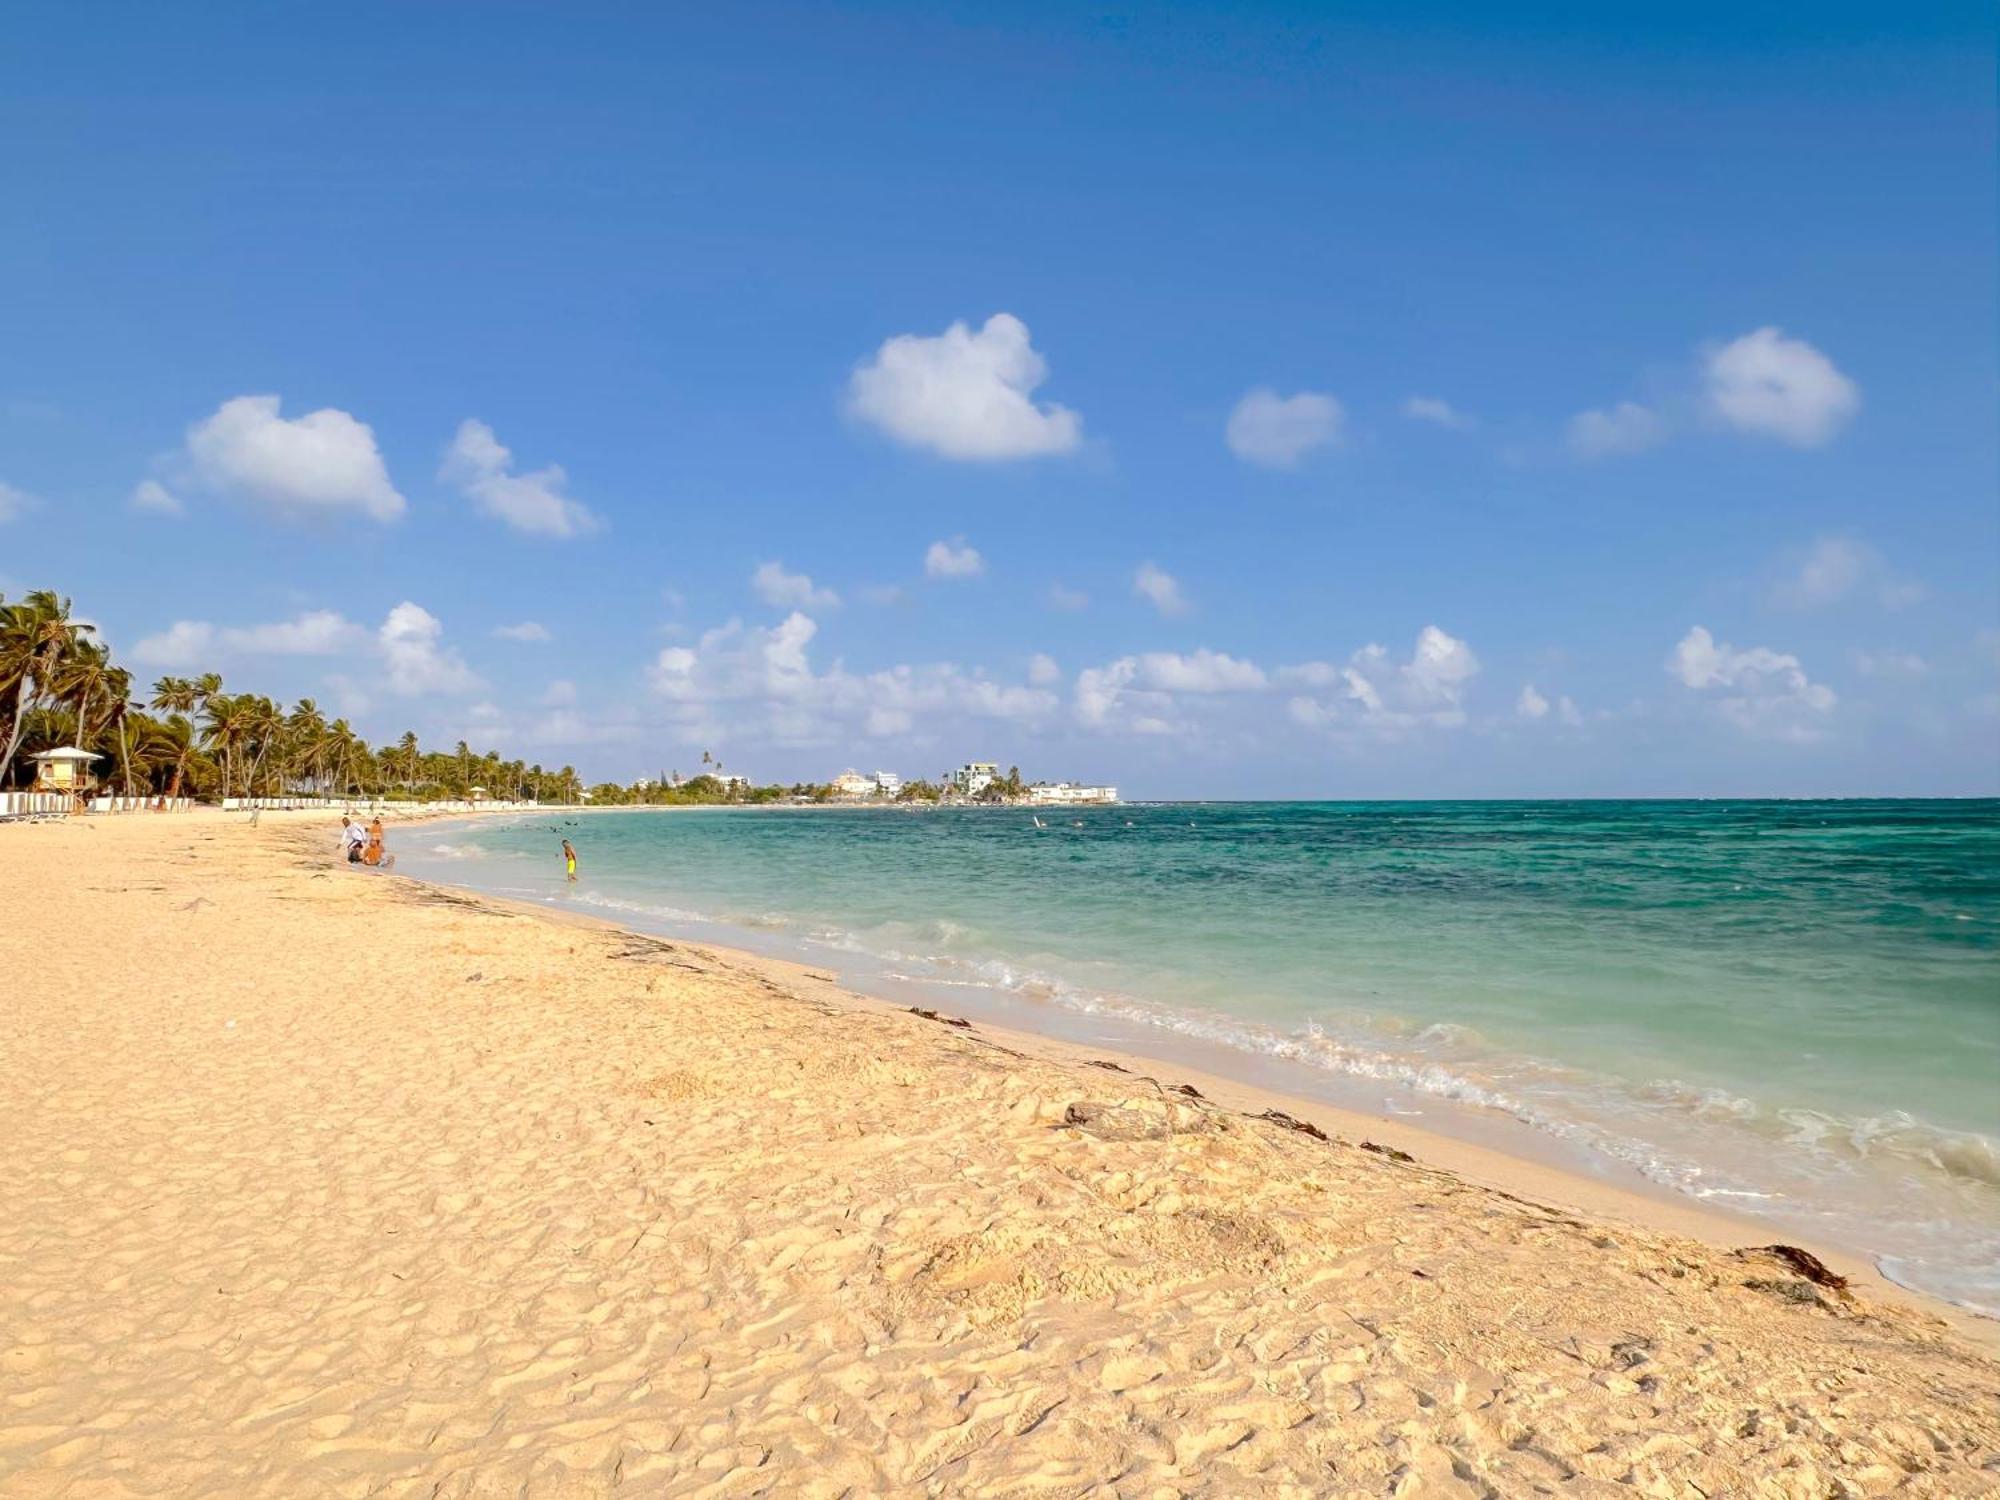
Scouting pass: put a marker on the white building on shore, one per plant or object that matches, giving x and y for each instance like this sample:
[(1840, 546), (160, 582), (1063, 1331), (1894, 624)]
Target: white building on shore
[(1069, 793), (853, 784), (888, 783), (974, 777)]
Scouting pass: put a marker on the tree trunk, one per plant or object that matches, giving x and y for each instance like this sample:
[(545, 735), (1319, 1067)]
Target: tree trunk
[(20, 726), (125, 756)]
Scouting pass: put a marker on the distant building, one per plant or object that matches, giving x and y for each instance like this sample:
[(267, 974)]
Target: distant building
[(888, 783), (974, 777), (854, 784), (1069, 793), (725, 779)]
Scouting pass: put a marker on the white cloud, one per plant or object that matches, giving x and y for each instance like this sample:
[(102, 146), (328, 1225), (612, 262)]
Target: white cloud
[(561, 693), (1143, 693), (526, 630), (415, 659), (185, 643), (1431, 409), (953, 559), (1043, 670), (15, 503), (1764, 693), (321, 463), (883, 594), (1202, 671), (1533, 705), (318, 632), (151, 495), (1829, 572), (190, 643), (1893, 665), (481, 466), (782, 590), (762, 681), (1067, 599), (1835, 567), (1155, 583), (1277, 431), (964, 395), (1376, 693), (1627, 427), (1767, 384)]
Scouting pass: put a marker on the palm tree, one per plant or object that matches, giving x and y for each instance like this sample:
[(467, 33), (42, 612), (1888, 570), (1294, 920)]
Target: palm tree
[(307, 726), (169, 743), (35, 636), (118, 682), (174, 695), (406, 747), (83, 675), (226, 728)]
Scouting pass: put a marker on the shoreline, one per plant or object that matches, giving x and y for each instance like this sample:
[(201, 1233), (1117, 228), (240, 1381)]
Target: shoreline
[(331, 1184), (1478, 1151)]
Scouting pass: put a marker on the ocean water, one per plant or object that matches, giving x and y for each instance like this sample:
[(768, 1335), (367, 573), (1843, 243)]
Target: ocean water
[(1789, 1009)]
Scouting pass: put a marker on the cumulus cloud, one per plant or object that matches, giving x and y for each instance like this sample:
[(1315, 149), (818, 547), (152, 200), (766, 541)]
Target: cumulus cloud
[(1376, 693), (321, 463), (1627, 427), (1773, 386), (15, 503), (964, 394), (151, 495), (1835, 568), (1161, 587), (188, 643), (1276, 431), (1533, 705), (415, 659), (1431, 409), (1043, 670), (560, 693), (483, 469), (783, 590), (526, 630), (763, 680), (1764, 693), (1142, 692), (185, 643), (953, 559)]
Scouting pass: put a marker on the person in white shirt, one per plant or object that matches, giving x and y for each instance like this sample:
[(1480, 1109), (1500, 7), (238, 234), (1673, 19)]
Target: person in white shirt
[(352, 837)]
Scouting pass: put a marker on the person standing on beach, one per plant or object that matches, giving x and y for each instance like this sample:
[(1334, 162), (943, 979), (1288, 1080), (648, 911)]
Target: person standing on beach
[(352, 837), (569, 860)]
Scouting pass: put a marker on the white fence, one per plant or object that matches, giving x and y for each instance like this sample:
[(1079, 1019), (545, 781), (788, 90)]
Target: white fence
[(33, 804), (384, 805), (140, 804), (60, 804)]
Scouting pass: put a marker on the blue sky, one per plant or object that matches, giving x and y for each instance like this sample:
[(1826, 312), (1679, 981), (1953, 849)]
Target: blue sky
[(1236, 401)]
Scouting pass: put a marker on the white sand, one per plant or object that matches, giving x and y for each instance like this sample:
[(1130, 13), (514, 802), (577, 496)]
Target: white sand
[(322, 1184)]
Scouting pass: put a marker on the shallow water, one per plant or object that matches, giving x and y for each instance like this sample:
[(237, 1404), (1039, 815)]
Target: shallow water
[(1791, 1009)]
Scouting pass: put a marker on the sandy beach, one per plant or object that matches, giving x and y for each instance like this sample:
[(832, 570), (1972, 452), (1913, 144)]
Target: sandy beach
[(330, 1183)]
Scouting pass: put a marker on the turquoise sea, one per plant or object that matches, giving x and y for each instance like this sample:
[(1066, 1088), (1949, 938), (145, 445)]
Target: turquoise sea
[(1789, 1009)]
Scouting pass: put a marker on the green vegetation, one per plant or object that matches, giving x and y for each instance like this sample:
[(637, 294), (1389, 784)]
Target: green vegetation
[(59, 686)]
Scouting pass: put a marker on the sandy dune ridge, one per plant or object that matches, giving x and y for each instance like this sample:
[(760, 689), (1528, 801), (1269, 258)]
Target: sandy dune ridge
[(326, 1183)]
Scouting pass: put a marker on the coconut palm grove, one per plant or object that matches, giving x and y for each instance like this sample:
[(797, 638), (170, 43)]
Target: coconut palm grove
[(192, 737)]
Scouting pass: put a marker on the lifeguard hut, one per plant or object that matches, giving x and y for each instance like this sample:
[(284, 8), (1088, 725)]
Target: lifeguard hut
[(65, 769)]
